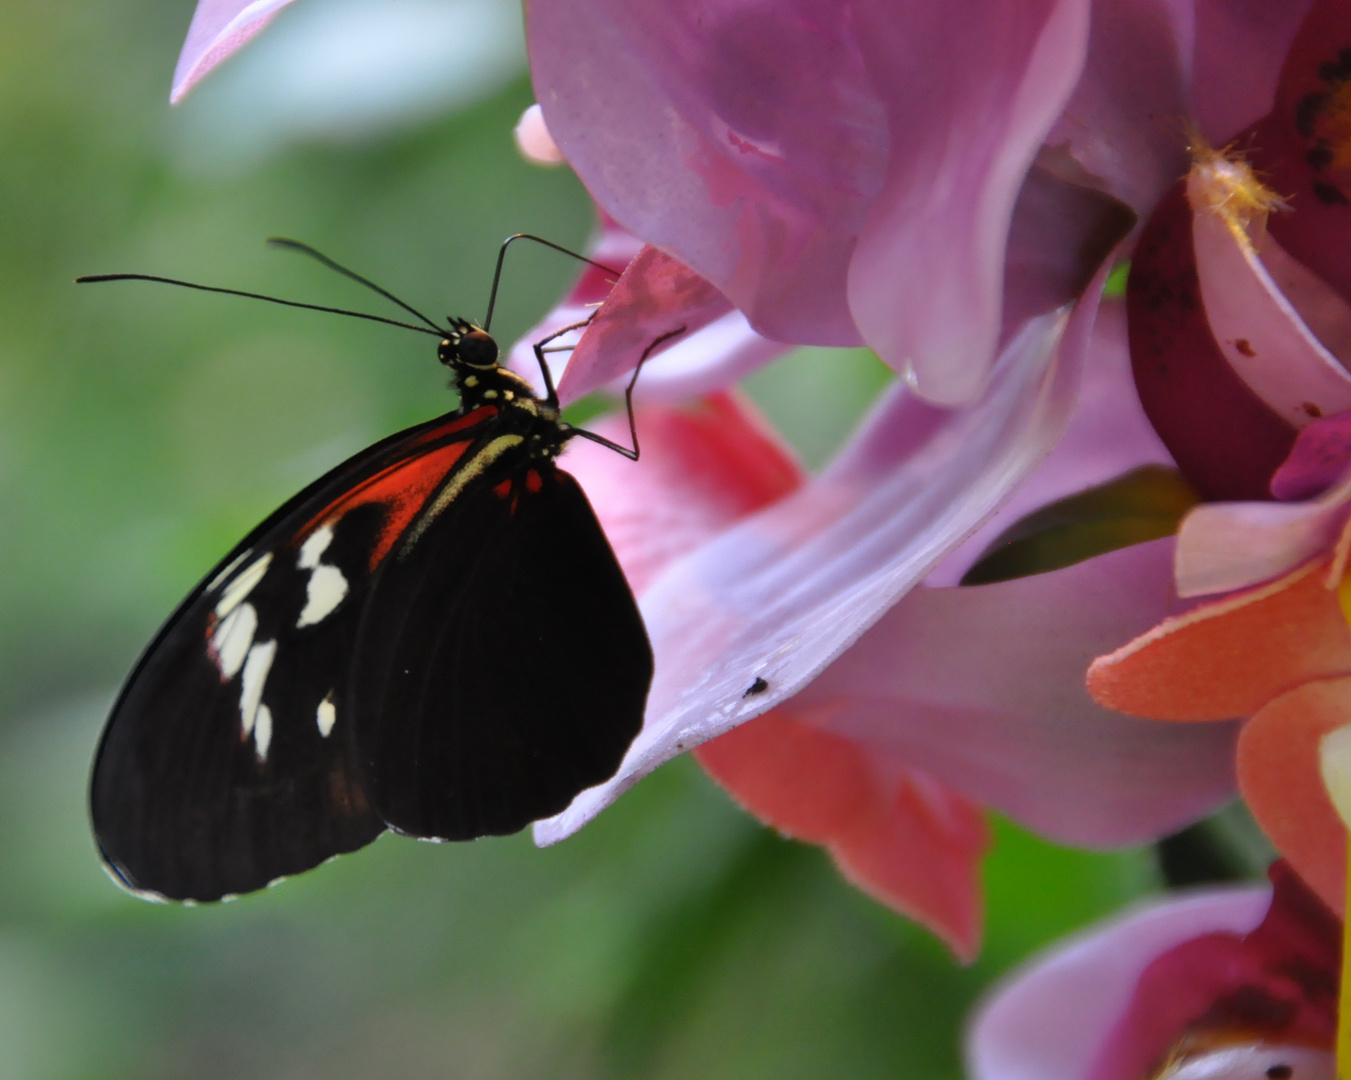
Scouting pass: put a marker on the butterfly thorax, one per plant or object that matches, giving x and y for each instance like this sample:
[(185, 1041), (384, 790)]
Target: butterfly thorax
[(472, 356)]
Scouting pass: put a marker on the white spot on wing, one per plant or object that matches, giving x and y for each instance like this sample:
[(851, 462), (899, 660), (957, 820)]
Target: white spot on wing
[(262, 731), (244, 584), (323, 592), (256, 667), (232, 638), (314, 546), (327, 715)]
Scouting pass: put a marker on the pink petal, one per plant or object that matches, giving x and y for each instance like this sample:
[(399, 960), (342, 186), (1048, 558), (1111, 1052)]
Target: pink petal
[(219, 29), (1240, 45), (1109, 135), (704, 466), (785, 591), (1259, 332), (983, 688), (747, 140), (1108, 436), (1049, 1019), (970, 91), (533, 139), (1321, 456), (895, 833), (1225, 546), (655, 296)]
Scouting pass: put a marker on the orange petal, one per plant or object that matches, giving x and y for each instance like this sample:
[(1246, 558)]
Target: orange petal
[(1278, 774), (897, 834), (1229, 658)]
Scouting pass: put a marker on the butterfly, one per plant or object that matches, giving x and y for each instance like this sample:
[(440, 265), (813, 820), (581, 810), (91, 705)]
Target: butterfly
[(433, 638)]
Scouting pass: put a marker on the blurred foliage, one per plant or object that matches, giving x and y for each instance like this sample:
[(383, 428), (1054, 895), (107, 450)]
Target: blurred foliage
[(143, 429)]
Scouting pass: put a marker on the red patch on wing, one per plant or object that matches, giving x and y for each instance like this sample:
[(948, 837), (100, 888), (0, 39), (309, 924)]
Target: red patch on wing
[(503, 489), (534, 483), (403, 488)]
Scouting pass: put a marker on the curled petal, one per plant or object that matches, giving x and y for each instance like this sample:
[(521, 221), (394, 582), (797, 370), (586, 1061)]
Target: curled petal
[(785, 591), (897, 834), (1257, 328), (1108, 436), (1280, 777), (1050, 1018), (982, 688), (1225, 546), (219, 29), (533, 139), (970, 93), (1321, 456), (1229, 658)]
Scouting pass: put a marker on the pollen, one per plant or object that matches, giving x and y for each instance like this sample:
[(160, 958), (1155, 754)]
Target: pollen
[(1223, 182)]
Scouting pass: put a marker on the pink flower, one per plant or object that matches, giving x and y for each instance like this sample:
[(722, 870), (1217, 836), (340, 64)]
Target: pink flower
[(1236, 984)]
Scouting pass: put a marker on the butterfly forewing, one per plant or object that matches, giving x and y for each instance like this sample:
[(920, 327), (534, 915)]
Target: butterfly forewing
[(229, 760), (502, 665)]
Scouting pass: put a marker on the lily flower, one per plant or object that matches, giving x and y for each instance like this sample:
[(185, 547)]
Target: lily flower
[(1225, 984)]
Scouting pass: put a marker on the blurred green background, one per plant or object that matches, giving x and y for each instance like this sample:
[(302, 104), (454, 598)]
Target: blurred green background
[(143, 429)]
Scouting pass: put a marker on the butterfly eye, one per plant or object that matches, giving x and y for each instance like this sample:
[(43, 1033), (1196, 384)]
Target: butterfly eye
[(478, 349)]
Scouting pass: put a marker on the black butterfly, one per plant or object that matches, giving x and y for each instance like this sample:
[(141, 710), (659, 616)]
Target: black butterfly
[(434, 638)]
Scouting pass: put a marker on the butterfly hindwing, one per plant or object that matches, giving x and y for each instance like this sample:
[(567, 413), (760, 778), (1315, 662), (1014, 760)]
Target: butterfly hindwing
[(502, 665), (229, 760)]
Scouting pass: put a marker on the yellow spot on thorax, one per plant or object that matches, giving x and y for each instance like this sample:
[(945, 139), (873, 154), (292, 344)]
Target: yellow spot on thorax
[(1223, 183)]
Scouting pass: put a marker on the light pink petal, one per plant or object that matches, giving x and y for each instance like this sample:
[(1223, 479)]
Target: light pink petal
[(533, 139), (1108, 436), (1112, 134), (219, 29), (1257, 329), (983, 688), (785, 591), (970, 92), (1048, 1020), (1224, 546), (895, 833), (723, 352), (705, 465), (745, 139), (1240, 45)]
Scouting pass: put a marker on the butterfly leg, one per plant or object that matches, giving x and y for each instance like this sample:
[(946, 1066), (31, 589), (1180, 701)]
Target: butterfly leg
[(551, 395), (632, 455)]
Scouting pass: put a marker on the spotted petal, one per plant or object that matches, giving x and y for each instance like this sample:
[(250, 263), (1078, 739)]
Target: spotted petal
[(219, 29)]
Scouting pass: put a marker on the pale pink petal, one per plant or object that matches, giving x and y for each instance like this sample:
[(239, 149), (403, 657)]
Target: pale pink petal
[(1108, 436), (219, 29), (1048, 1020), (745, 139), (723, 352), (1257, 329), (1112, 134), (895, 833), (983, 688), (785, 591), (1240, 45), (970, 92), (704, 465), (533, 139), (1225, 546)]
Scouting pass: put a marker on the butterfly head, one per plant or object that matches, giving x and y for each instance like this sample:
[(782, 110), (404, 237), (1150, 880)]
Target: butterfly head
[(467, 348)]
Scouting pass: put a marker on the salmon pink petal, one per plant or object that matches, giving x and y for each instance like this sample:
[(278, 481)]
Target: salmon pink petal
[(982, 688), (1051, 1017), (1229, 658), (897, 834), (783, 592), (219, 29), (1281, 780), (704, 466), (969, 94), (1226, 546)]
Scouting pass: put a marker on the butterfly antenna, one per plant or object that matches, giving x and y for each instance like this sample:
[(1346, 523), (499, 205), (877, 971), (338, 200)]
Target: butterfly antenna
[(502, 254), (320, 257), (92, 278)]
